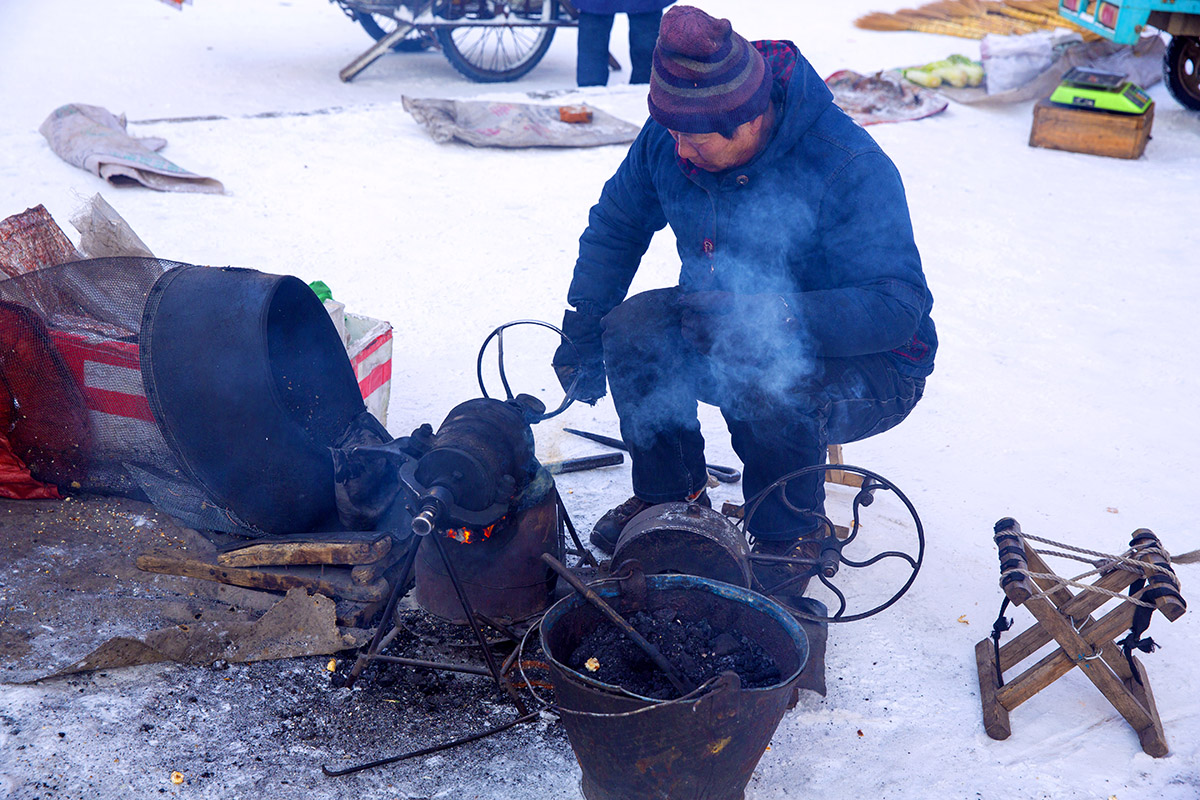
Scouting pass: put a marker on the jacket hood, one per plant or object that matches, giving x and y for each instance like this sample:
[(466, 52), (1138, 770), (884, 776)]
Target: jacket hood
[(805, 98)]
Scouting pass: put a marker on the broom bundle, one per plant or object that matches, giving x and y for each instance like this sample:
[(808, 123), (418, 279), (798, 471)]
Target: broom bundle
[(973, 19)]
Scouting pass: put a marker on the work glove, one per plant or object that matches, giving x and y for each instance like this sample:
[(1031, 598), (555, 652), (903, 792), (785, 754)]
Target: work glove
[(743, 326), (580, 369)]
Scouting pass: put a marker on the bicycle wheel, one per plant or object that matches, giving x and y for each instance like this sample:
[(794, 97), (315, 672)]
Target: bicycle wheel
[(494, 51)]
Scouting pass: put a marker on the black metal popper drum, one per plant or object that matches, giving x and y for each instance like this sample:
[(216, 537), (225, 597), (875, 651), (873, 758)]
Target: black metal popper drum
[(686, 538), (481, 490)]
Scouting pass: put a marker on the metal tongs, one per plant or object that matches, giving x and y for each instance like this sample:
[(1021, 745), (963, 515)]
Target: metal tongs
[(722, 474)]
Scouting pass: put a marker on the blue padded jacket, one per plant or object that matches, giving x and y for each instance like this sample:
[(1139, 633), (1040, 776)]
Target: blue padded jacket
[(819, 215)]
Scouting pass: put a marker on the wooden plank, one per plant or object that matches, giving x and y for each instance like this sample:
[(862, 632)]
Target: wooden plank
[(995, 715), (1153, 738), (1059, 663), (1057, 592), (382, 46), (1101, 133), (328, 581), (1171, 607), (360, 615), (1115, 658), (1078, 650), (355, 549), (369, 573), (1078, 609)]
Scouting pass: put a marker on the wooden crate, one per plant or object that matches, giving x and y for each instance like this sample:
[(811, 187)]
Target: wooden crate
[(1083, 130)]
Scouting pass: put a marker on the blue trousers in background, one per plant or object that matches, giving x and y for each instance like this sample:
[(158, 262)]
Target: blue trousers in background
[(591, 65)]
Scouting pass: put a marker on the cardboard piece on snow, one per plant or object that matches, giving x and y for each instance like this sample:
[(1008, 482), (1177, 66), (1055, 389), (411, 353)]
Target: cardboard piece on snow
[(298, 625)]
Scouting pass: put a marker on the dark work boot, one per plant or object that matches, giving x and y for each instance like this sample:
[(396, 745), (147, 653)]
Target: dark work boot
[(608, 528), (769, 575)]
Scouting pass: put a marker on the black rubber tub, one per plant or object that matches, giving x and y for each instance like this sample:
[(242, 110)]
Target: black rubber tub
[(250, 385)]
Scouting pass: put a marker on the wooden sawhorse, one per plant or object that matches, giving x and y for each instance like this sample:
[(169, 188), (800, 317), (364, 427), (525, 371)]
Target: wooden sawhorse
[(1084, 642)]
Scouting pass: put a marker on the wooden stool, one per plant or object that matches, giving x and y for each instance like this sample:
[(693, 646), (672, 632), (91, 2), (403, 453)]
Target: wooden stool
[(1084, 642), (837, 475)]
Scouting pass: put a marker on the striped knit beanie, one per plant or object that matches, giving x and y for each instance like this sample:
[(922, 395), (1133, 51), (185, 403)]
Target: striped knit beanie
[(705, 77)]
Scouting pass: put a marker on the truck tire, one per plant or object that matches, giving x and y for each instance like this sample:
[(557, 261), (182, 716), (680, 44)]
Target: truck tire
[(1181, 70)]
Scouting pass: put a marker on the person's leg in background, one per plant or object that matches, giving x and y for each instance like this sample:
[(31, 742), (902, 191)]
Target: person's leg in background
[(643, 33), (591, 62)]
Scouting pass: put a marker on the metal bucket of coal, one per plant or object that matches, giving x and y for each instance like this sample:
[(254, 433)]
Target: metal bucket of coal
[(701, 746)]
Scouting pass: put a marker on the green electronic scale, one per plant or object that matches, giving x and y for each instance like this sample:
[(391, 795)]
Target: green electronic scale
[(1105, 91)]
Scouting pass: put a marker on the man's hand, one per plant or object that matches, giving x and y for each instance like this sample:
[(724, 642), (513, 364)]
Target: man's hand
[(742, 323), (580, 368)]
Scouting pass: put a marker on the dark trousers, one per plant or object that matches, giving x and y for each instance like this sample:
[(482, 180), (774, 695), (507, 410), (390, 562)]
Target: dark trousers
[(776, 427), (591, 65)]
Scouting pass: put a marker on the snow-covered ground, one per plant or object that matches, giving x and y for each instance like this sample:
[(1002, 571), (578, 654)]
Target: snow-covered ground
[(1066, 294)]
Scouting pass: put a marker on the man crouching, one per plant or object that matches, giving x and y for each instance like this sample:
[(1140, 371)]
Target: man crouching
[(802, 310)]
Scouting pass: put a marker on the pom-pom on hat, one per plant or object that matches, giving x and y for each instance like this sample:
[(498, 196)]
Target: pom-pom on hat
[(705, 77)]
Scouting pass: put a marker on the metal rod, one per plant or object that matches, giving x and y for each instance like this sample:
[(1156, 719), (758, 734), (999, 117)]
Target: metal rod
[(508, 392), (565, 519), (416, 662), (584, 463), (469, 611), (388, 611), (507, 630), (376, 50), (650, 650), (512, 657), (333, 773)]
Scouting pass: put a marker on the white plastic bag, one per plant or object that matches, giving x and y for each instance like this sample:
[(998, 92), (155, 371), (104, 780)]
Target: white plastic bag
[(1010, 62)]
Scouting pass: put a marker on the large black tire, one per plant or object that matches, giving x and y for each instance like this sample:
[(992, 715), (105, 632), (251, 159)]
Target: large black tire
[(496, 53), (380, 25), (1181, 70)]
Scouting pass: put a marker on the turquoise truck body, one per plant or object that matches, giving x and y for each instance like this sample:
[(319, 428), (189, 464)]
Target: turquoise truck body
[(1126, 21), (1122, 21)]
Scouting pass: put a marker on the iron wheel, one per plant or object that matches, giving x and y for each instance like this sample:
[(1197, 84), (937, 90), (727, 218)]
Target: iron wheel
[(900, 566)]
